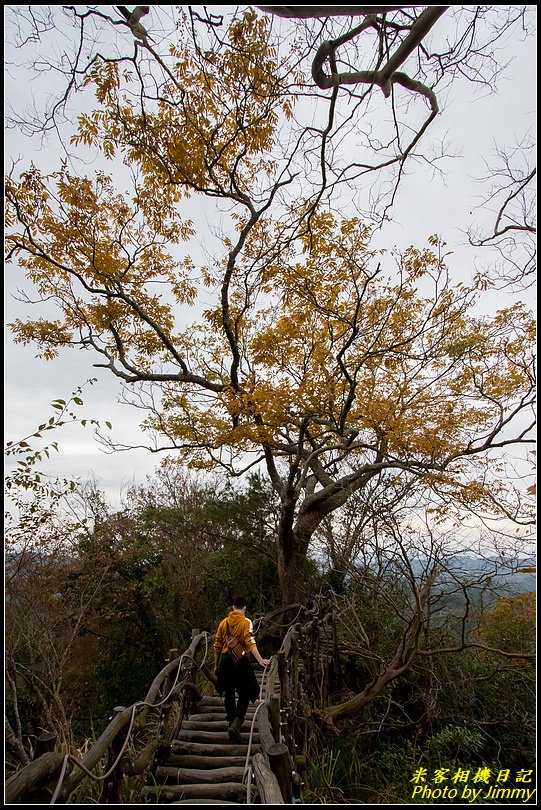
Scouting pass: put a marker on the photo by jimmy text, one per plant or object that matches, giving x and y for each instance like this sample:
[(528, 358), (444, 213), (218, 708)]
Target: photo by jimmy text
[(476, 785)]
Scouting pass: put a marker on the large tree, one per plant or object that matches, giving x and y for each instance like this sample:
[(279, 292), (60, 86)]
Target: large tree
[(308, 352)]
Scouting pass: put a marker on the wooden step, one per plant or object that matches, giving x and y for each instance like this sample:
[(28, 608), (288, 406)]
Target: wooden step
[(207, 749), (211, 700), (230, 791), (217, 737), (215, 720), (218, 724), (179, 776), (204, 801), (204, 765), (214, 717), (202, 761)]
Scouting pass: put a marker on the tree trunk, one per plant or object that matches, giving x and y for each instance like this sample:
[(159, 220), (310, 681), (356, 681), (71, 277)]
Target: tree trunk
[(297, 527), (290, 569), (291, 555)]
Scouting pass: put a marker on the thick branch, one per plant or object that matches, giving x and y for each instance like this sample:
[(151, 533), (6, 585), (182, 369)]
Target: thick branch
[(307, 12), (384, 77)]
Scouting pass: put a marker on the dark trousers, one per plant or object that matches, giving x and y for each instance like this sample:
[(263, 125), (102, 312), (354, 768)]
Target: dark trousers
[(235, 707), (236, 679)]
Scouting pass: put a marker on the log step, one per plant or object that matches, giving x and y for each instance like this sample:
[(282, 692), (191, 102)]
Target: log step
[(212, 702), (219, 726), (201, 761), (211, 749), (230, 791), (218, 737), (215, 713), (207, 716), (178, 776)]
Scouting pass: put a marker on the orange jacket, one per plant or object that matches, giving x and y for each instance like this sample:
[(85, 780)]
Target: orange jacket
[(239, 626)]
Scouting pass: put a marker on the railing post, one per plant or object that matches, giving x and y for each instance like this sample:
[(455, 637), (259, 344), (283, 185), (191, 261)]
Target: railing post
[(45, 743), (267, 784), (110, 793), (274, 716), (280, 765)]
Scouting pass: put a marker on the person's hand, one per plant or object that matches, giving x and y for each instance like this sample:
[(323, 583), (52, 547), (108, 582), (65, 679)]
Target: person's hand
[(264, 662)]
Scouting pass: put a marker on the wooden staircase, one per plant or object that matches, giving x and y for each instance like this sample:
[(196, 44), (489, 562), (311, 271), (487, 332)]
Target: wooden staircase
[(204, 766)]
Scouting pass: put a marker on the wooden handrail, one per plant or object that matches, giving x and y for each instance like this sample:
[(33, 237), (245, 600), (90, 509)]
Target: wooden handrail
[(33, 774), (39, 771)]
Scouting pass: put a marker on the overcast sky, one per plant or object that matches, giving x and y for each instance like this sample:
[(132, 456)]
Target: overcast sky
[(473, 122)]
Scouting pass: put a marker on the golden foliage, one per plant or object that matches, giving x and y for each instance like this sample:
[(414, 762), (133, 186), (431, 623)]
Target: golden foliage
[(312, 346), (511, 624)]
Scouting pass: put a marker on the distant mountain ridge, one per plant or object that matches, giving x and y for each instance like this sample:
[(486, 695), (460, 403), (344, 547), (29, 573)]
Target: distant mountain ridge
[(506, 577)]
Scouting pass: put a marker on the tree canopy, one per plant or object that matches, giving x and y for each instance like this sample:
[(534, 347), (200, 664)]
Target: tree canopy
[(297, 345)]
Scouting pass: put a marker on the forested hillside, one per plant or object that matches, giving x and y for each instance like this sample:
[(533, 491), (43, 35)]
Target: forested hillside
[(92, 610), (298, 243)]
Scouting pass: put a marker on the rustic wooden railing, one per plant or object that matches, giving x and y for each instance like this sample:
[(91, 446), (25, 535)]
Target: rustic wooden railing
[(138, 735), (147, 725)]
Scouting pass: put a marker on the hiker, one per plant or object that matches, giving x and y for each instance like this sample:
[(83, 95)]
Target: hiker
[(236, 677)]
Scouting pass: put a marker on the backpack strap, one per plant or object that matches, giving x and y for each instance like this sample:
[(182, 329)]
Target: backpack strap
[(232, 636)]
